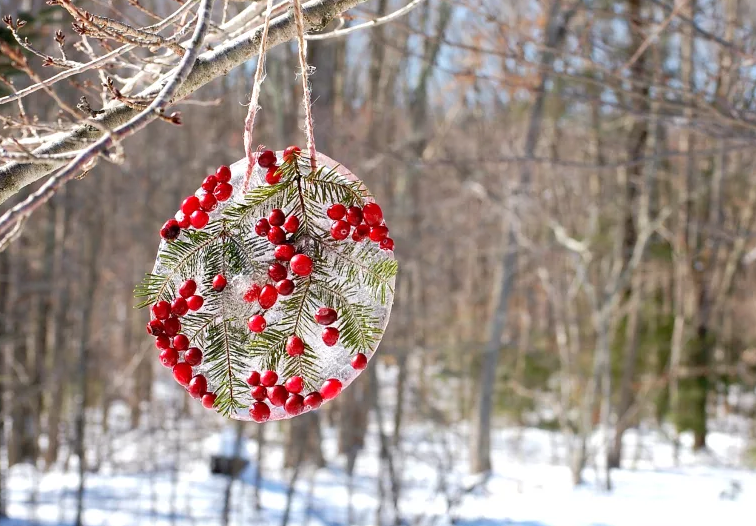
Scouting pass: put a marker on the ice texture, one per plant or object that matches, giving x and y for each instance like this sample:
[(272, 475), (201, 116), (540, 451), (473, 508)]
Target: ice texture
[(333, 362)]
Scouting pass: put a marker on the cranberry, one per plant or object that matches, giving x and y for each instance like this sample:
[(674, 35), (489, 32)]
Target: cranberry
[(219, 283), (269, 378), (170, 230), (276, 217), (277, 272), (291, 224), (259, 412), (277, 236), (273, 175), (257, 323), (378, 233), (208, 400), (193, 356), (336, 211), (172, 326), (223, 174), (326, 316), (163, 342), (169, 357), (301, 265), (295, 346), (295, 384), (259, 393), (354, 215), (313, 400), (182, 219), (284, 252), (195, 302), (372, 214), (253, 378), (199, 219), (262, 227), (330, 336), (188, 288), (360, 232), (277, 395), (268, 296), (359, 361), (340, 230), (180, 342), (285, 287), (208, 185), (179, 307), (190, 204), (161, 310), (155, 327), (223, 191), (208, 202), (267, 158), (182, 372), (294, 404), (252, 293), (197, 386), (387, 244), (291, 153), (330, 389)]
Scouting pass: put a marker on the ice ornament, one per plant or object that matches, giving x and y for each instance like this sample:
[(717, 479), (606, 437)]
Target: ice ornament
[(223, 261)]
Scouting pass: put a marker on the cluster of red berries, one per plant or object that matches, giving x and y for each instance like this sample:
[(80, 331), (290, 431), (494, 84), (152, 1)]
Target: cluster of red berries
[(367, 222), (287, 395), (174, 346), (195, 208), (267, 159)]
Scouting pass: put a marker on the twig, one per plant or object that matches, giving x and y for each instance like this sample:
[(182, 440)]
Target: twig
[(372, 23)]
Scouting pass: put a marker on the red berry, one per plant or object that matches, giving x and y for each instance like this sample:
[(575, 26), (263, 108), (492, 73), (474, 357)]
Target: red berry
[(262, 227), (257, 323), (295, 346), (179, 307), (172, 326), (285, 252), (253, 378), (170, 230), (199, 219), (276, 217), (259, 393), (372, 214), (295, 384), (378, 233), (268, 296), (294, 404), (208, 185), (182, 219), (193, 356), (336, 211), (277, 236), (387, 244), (197, 386), (161, 310), (223, 174), (188, 288), (169, 357), (190, 204), (273, 175), (163, 342), (359, 361), (223, 191), (291, 153), (259, 412), (267, 158), (326, 316), (361, 232), (330, 389), (330, 336), (340, 230), (301, 265), (208, 202), (219, 283), (208, 400), (195, 302), (253, 292), (285, 287), (277, 272), (277, 395), (182, 372), (291, 224), (354, 215), (180, 342), (155, 327), (313, 400), (269, 378)]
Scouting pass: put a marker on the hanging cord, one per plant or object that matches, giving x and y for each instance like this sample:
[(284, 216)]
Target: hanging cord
[(309, 127), (249, 122)]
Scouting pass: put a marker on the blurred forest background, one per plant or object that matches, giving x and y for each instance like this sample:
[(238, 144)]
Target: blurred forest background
[(571, 189)]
